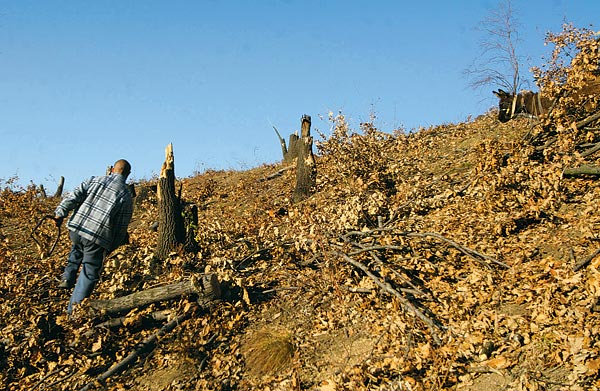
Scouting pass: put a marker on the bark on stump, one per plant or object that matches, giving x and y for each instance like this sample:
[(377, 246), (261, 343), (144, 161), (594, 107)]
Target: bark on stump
[(171, 231), (206, 287), (306, 169), (190, 220), (289, 152), (59, 189)]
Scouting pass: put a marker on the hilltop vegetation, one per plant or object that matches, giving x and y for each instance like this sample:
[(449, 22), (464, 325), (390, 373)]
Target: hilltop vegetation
[(441, 259)]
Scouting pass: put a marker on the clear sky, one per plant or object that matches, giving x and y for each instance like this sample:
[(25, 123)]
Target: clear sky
[(84, 83)]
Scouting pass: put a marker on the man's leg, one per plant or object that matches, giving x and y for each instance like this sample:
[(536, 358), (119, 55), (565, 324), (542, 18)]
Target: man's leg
[(91, 267), (73, 262)]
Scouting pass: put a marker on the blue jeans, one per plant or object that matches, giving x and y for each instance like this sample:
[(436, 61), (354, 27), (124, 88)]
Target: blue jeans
[(88, 256)]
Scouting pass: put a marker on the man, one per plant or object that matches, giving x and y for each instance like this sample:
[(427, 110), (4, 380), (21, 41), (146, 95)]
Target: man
[(102, 209)]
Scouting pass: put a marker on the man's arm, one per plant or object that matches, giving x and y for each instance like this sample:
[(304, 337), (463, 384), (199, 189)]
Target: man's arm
[(71, 201)]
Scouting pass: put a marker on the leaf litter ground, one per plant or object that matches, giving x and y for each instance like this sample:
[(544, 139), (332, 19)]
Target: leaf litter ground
[(296, 314)]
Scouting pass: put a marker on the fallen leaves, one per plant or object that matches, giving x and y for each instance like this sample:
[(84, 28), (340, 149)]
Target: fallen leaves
[(471, 196)]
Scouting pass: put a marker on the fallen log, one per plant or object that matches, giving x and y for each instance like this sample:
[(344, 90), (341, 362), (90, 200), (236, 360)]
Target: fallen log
[(205, 287), (581, 171)]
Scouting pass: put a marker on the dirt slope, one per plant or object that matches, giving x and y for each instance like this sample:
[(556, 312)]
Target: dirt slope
[(471, 232)]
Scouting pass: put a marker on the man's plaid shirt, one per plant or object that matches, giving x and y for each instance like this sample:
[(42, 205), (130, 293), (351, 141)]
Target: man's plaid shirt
[(102, 209)]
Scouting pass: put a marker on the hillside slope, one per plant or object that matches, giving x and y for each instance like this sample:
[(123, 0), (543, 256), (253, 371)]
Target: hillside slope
[(436, 260)]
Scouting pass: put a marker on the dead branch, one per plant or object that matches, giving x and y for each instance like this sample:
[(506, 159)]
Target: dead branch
[(146, 345), (548, 143), (118, 322), (59, 189), (477, 256), (284, 149), (371, 250), (433, 325), (585, 262), (591, 150), (54, 372), (62, 379), (276, 174), (581, 171), (588, 120)]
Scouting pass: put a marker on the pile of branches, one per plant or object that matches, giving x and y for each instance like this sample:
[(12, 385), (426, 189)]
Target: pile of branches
[(571, 80)]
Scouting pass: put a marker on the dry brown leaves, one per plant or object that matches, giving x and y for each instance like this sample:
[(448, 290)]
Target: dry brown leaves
[(289, 292)]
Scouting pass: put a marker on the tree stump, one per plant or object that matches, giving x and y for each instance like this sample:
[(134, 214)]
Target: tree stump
[(190, 220), (289, 152), (171, 231), (206, 287), (306, 169), (59, 189)]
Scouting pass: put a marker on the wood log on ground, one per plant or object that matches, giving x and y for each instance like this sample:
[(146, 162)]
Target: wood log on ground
[(581, 171), (306, 169), (206, 288), (171, 231)]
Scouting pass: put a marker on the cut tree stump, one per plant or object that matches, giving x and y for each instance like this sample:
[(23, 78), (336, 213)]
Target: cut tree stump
[(306, 169), (171, 230), (190, 219), (59, 189), (206, 287), (289, 153)]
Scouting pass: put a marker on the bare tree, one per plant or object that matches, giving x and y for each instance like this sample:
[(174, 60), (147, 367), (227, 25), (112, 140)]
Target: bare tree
[(498, 63)]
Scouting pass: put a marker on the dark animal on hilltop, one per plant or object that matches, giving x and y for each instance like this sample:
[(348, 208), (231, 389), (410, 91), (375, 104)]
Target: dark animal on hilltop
[(526, 102)]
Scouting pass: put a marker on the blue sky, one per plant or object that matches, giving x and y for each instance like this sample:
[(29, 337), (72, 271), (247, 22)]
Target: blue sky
[(85, 83)]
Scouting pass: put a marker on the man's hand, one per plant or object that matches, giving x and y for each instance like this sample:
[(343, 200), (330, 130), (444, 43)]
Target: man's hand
[(58, 220)]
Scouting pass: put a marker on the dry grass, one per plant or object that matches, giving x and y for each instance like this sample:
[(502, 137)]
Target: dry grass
[(269, 352)]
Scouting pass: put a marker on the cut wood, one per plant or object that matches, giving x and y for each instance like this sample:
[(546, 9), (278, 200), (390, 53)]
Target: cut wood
[(206, 288), (581, 171), (171, 231), (306, 170), (59, 189)]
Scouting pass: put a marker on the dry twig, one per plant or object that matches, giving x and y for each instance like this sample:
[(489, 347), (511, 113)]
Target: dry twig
[(142, 347), (405, 302), (584, 263)]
